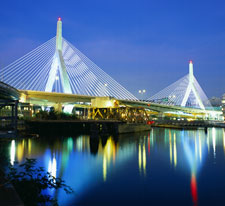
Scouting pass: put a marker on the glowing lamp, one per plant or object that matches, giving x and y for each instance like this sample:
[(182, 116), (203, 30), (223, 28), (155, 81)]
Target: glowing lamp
[(190, 62), (59, 19)]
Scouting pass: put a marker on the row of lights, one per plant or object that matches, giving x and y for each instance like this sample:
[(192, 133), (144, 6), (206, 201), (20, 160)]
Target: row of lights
[(139, 91)]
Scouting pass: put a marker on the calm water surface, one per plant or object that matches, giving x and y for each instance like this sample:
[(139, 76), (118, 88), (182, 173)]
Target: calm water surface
[(159, 167)]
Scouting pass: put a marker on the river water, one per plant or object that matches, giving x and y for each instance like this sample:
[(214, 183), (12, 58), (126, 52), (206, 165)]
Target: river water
[(159, 167)]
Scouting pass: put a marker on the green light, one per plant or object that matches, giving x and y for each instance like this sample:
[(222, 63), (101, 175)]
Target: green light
[(70, 144)]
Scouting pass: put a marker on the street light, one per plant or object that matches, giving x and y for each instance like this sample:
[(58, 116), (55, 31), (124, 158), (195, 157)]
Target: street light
[(142, 92)]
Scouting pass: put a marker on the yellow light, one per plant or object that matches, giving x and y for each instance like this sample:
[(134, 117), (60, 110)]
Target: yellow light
[(29, 146), (109, 152), (23, 98), (114, 154), (139, 158), (104, 165), (108, 149), (20, 150), (144, 159), (175, 151)]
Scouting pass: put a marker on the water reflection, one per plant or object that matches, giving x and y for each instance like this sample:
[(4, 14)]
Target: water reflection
[(175, 150), (142, 158), (224, 141), (194, 189), (171, 150), (86, 162), (52, 166), (214, 141), (193, 150), (12, 152), (109, 153), (20, 151)]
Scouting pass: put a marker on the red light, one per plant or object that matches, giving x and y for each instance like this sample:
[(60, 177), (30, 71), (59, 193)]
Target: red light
[(59, 19), (190, 61), (194, 193), (150, 122)]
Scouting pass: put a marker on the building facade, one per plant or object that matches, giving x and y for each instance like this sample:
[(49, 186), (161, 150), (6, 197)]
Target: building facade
[(223, 105)]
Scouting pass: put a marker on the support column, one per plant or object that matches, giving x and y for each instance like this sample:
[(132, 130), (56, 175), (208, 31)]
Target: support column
[(58, 107)]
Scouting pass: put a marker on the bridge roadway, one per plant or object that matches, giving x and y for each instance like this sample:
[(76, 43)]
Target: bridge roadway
[(52, 98), (162, 108), (8, 93)]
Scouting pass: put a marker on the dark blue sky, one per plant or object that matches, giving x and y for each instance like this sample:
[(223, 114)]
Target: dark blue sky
[(143, 44)]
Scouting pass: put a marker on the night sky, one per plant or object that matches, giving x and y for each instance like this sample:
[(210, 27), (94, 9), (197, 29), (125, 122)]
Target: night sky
[(143, 44)]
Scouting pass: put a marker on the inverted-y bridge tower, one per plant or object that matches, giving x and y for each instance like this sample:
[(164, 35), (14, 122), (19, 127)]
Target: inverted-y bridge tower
[(58, 65), (186, 92), (191, 87)]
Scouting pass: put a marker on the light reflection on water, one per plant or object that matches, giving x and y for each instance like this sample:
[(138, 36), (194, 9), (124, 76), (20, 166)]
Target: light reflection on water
[(12, 152), (89, 164)]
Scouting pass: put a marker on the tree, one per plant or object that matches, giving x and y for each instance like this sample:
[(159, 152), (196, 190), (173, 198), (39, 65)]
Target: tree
[(31, 183)]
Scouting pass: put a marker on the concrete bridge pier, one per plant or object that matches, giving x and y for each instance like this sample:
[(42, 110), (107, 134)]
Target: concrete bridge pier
[(58, 107), (161, 115)]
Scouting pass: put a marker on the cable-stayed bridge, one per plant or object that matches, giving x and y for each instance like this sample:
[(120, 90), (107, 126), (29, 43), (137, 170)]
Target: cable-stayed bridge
[(57, 66), (58, 74), (185, 92)]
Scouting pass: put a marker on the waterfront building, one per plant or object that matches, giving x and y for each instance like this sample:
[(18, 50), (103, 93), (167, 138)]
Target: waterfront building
[(223, 104)]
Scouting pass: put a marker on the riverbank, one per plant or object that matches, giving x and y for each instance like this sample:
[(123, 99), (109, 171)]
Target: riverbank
[(37, 127), (175, 124), (84, 126)]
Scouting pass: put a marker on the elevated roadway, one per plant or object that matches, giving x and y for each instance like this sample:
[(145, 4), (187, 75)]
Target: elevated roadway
[(52, 99), (8, 93)]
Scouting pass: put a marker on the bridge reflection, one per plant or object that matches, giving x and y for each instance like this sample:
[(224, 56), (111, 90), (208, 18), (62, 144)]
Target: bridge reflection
[(85, 161)]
